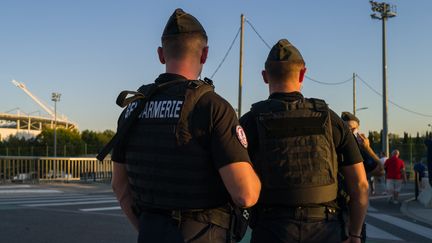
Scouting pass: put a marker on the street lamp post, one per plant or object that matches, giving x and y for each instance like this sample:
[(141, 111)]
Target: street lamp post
[(362, 108), (385, 12)]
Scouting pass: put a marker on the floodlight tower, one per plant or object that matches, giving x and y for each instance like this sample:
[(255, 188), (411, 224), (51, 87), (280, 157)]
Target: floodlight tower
[(56, 98), (384, 11)]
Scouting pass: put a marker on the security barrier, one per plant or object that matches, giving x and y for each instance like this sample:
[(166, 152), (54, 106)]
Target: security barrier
[(40, 169)]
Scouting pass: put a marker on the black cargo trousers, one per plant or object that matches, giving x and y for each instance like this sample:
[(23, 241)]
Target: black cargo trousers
[(280, 225), (156, 226)]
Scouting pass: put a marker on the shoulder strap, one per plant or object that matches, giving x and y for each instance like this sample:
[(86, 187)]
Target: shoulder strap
[(198, 88), (123, 100), (318, 104)]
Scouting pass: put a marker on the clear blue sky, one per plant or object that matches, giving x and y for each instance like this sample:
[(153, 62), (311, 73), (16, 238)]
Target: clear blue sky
[(91, 50)]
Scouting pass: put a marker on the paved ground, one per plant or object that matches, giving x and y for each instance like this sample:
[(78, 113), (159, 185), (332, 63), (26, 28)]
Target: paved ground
[(46, 213), (65, 213)]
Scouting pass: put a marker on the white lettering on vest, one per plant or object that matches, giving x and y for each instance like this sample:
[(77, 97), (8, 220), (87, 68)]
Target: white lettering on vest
[(130, 108), (168, 107), (149, 112), (177, 108), (161, 109), (162, 113)]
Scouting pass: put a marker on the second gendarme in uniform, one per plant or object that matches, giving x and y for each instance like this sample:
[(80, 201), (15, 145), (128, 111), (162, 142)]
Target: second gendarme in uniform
[(294, 143)]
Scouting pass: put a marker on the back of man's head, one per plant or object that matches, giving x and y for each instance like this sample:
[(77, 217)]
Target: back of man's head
[(395, 153), (284, 61), (348, 116), (183, 36)]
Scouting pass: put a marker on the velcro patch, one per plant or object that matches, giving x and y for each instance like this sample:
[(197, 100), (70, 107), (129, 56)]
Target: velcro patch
[(241, 136)]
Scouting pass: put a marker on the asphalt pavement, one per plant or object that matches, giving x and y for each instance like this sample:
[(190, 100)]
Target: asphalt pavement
[(414, 209), (80, 212), (62, 213)]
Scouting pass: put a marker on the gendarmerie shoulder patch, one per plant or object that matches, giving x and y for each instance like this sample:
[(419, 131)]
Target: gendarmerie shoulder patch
[(241, 136)]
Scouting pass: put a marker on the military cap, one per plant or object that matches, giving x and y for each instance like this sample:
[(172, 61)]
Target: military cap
[(284, 51), (347, 116), (181, 22)]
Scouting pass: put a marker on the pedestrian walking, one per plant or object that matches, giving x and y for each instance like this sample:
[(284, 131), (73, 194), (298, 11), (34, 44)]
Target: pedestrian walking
[(395, 176)]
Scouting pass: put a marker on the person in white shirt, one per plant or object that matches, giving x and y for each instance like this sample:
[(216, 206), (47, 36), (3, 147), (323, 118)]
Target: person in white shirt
[(380, 180)]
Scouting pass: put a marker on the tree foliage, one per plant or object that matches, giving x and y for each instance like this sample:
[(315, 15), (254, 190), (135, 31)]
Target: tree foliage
[(69, 143)]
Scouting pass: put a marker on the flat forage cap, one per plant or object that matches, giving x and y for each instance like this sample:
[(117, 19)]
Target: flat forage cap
[(284, 51), (181, 22)]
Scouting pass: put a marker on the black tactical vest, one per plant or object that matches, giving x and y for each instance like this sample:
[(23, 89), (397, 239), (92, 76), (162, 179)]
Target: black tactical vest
[(297, 159), (167, 167)]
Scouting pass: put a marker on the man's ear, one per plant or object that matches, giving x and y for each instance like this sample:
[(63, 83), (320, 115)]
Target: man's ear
[(264, 75), (204, 55), (161, 55), (302, 74)]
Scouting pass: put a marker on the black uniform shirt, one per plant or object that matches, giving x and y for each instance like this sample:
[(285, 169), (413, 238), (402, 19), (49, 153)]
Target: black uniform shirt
[(343, 139), (369, 163), (214, 124)]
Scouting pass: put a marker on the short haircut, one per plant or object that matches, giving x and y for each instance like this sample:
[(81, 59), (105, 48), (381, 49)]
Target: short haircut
[(396, 152), (279, 71), (183, 45)]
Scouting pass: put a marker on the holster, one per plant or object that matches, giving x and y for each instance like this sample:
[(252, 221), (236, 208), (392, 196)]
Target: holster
[(240, 218), (217, 216)]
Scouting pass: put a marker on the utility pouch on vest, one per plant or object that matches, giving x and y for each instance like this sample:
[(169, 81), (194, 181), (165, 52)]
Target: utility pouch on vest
[(240, 218)]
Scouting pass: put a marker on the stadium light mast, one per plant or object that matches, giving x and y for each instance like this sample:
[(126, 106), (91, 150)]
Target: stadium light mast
[(384, 11), (56, 98)]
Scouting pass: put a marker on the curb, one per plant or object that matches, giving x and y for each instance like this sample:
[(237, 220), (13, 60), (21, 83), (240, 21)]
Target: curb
[(407, 212)]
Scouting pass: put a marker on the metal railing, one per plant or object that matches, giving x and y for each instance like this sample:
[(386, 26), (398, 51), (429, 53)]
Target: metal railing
[(40, 169)]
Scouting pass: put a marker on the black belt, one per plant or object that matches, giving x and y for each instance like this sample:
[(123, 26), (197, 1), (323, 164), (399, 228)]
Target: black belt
[(298, 213), (219, 216)]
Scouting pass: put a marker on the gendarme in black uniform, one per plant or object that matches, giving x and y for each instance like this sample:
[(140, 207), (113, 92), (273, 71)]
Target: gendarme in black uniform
[(294, 144), (341, 136), (173, 157), (182, 137), (344, 145), (191, 141)]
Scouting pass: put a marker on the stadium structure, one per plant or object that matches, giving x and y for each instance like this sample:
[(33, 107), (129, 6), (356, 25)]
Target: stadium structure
[(21, 124)]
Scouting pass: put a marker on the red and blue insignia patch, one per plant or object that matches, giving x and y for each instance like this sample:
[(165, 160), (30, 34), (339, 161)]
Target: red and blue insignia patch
[(241, 136)]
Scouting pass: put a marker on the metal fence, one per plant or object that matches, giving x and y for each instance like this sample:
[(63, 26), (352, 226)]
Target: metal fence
[(40, 169)]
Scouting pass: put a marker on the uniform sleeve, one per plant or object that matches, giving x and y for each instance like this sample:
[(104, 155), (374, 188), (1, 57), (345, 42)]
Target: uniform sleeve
[(368, 162), (118, 154), (227, 140), (346, 146), (247, 121)]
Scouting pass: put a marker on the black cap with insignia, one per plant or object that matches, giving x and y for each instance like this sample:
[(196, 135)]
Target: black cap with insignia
[(347, 116), (284, 51), (181, 22)]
